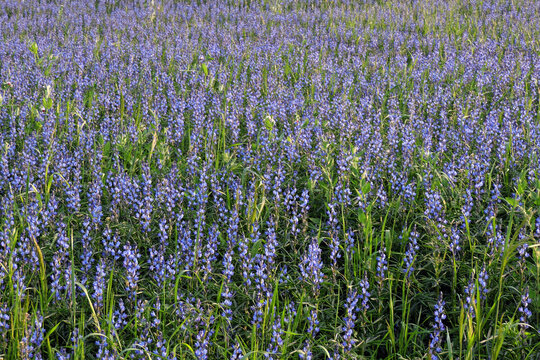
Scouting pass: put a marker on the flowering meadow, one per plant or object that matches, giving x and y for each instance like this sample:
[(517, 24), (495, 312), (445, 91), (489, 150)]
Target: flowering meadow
[(269, 179)]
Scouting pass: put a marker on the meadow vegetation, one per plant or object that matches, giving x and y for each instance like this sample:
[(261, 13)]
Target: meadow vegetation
[(270, 179)]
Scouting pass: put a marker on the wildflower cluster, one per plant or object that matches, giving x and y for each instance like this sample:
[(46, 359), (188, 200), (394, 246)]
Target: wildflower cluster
[(260, 178)]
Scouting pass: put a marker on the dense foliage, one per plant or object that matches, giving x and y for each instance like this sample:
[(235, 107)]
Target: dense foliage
[(269, 179)]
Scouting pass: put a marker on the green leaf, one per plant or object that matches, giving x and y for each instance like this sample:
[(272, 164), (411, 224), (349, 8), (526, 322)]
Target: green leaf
[(34, 48), (269, 123), (511, 201), (204, 69), (47, 103), (362, 217), (255, 248), (366, 187)]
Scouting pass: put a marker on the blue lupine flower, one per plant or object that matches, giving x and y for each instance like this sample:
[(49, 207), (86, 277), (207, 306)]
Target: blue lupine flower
[(311, 266), (276, 341), (4, 319), (483, 282), (470, 299), (364, 293), (237, 354), (524, 312), (351, 308), (99, 284), (382, 265), (455, 241), (31, 342), (333, 231), (201, 345), (131, 265), (438, 328), (410, 254)]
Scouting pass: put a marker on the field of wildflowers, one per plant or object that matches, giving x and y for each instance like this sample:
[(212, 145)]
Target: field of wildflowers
[(265, 179)]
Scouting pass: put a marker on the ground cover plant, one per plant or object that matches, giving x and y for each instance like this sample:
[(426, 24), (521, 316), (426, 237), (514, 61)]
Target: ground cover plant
[(269, 179)]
